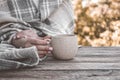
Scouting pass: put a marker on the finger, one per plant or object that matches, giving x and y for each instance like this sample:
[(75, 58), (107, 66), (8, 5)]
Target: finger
[(49, 52), (41, 56), (28, 45), (44, 48), (19, 35), (49, 40), (37, 41), (42, 52), (47, 37), (40, 38)]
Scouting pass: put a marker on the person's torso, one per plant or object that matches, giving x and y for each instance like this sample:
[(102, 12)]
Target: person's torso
[(28, 10)]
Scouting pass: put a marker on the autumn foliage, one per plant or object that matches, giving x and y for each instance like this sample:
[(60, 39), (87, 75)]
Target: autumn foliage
[(97, 23)]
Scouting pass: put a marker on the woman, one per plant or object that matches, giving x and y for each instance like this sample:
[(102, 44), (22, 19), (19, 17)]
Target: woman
[(26, 27)]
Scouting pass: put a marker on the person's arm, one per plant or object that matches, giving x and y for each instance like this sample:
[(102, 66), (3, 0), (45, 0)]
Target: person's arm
[(55, 19), (9, 55), (9, 26), (10, 30)]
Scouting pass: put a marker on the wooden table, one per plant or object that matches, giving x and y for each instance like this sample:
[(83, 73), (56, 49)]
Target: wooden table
[(101, 63)]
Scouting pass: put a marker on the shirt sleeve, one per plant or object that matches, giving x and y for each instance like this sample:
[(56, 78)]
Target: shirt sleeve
[(8, 30), (9, 26), (12, 58), (60, 21)]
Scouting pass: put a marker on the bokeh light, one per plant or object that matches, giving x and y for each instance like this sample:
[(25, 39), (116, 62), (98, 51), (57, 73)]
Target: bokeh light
[(97, 22)]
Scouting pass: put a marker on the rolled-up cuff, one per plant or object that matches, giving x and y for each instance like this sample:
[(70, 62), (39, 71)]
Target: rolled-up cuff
[(24, 56), (30, 54)]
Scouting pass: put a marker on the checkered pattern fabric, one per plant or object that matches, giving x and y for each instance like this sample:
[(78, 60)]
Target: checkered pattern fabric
[(49, 17)]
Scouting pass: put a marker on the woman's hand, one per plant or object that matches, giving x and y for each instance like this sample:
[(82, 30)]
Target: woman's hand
[(29, 38)]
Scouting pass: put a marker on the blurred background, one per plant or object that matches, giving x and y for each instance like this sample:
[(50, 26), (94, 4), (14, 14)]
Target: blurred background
[(97, 22)]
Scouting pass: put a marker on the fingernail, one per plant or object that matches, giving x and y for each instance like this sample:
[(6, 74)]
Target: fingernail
[(51, 48), (49, 51), (25, 36), (48, 42), (14, 37), (18, 36)]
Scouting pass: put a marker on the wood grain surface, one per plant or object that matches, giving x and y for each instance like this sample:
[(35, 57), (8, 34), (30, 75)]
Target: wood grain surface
[(91, 63)]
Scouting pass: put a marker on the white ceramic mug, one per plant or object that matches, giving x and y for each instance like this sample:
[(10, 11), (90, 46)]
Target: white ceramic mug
[(65, 47)]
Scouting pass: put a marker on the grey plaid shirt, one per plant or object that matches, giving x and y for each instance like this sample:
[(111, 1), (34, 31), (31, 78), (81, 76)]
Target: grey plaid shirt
[(49, 17)]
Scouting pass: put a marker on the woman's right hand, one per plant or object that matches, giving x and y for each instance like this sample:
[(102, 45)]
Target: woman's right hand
[(25, 41), (43, 46)]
